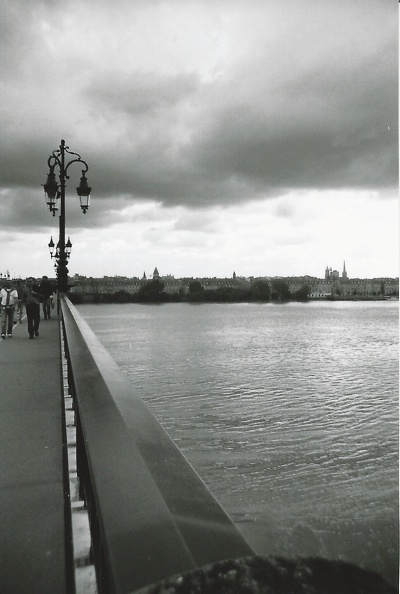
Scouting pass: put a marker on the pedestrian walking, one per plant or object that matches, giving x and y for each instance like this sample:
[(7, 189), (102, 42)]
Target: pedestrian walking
[(9, 299), (31, 298), (46, 289), (19, 307)]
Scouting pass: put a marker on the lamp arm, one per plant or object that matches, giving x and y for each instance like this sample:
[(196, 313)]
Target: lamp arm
[(81, 161), (55, 159)]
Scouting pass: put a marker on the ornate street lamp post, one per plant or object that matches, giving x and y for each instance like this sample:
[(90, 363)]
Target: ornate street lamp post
[(55, 191)]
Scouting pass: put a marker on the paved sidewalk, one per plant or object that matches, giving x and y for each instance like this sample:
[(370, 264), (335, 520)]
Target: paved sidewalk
[(32, 539)]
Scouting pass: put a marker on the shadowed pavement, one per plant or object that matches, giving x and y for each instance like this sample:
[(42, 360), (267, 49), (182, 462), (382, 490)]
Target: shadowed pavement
[(32, 538)]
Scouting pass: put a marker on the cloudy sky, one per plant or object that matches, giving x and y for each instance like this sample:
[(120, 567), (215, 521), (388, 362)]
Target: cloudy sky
[(256, 136)]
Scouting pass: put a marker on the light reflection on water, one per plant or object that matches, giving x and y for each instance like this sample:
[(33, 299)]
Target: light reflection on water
[(288, 413)]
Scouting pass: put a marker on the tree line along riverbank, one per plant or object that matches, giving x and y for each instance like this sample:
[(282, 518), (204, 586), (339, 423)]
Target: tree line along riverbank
[(154, 292)]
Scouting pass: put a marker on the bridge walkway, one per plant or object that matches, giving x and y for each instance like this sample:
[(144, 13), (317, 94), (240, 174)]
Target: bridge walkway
[(32, 517)]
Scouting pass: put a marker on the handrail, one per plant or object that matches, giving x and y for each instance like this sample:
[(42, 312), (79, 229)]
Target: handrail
[(151, 515)]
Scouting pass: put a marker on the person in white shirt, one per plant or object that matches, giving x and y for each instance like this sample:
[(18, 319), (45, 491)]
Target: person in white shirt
[(9, 300)]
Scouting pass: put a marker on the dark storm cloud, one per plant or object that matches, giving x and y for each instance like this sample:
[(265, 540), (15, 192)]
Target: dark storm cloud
[(26, 209), (326, 129), (140, 93), (295, 111), (329, 123)]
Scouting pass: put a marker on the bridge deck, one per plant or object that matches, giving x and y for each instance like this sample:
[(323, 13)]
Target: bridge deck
[(32, 524)]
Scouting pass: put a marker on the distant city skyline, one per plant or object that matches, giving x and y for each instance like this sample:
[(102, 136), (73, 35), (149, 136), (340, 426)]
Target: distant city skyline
[(329, 272), (150, 274), (333, 285), (256, 136)]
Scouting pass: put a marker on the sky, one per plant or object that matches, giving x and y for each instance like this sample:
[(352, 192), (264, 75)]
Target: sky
[(250, 136)]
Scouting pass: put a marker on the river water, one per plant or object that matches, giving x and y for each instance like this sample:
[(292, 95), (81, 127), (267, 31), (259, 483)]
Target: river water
[(289, 413)]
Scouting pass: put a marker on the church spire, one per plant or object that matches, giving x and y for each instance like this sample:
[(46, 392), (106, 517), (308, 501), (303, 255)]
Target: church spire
[(344, 273)]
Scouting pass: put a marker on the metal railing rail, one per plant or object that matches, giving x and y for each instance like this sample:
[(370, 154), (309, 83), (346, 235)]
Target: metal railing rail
[(151, 515)]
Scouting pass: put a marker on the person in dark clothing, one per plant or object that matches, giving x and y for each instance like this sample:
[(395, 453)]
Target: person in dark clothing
[(46, 289), (31, 298)]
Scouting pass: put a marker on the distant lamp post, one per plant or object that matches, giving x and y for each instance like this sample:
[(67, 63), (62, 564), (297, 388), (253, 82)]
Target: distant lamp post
[(68, 247), (55, 191), (56, 254), (51, 247)]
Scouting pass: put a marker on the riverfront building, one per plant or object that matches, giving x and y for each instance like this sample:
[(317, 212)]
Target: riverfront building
[(333, 285)]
